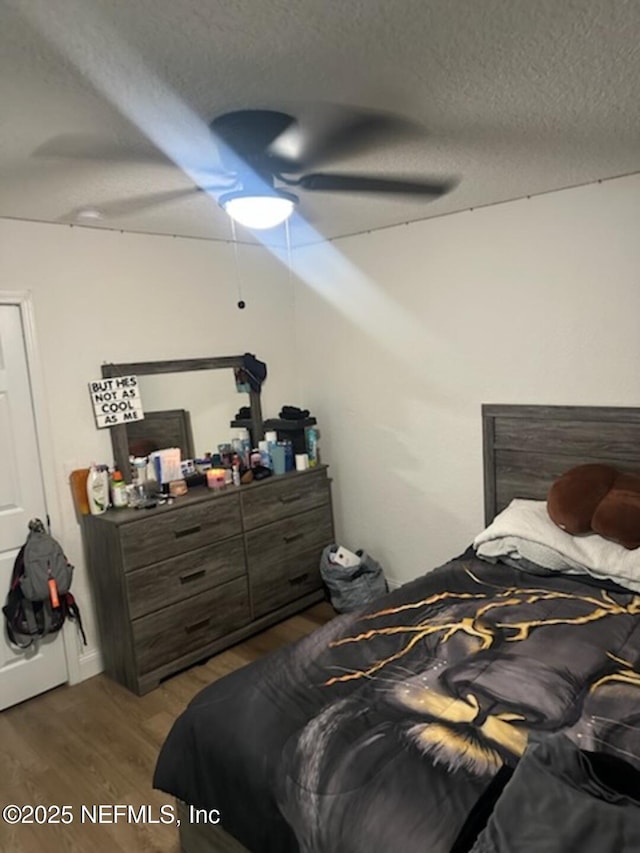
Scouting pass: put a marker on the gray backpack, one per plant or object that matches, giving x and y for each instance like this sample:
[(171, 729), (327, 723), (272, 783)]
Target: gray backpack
[(39, 598)]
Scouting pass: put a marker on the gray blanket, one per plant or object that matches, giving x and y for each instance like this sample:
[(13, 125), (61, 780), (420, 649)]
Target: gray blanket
[(563, 799)]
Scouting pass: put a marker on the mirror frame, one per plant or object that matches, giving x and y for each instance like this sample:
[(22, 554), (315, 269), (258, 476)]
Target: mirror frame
[(119, 440)]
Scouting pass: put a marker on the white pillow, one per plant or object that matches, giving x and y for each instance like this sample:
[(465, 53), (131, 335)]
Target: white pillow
[(524, 531)]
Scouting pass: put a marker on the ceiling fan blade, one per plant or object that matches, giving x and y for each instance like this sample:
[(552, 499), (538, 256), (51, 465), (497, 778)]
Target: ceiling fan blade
[(364, 184), (331, 132), (135, 204), (95, 148), (87, 146), (247, 134), (129, 206)]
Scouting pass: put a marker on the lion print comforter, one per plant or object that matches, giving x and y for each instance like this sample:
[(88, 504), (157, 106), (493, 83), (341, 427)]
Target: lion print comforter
[(383, 729)]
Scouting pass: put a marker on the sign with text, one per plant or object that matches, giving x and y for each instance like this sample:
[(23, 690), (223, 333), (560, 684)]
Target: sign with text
[(116, 400)]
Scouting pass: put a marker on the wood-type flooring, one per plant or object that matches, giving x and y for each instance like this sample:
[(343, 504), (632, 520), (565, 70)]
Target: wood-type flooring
[(95, 744)]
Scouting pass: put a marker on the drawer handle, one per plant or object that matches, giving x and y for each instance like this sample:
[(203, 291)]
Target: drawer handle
[(289, 499), (298, 579), (187, 531), (292, 537), (196, 626), (192, 576)]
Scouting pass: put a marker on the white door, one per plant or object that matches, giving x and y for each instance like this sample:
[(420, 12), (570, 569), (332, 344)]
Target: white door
[(22, 673)]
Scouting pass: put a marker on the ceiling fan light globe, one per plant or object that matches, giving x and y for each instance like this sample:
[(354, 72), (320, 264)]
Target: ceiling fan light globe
[(259, 211)]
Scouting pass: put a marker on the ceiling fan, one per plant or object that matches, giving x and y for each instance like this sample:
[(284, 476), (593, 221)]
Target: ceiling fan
[(279, 154), (266, 155)]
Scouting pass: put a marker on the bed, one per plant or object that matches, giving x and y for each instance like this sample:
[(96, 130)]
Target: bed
[(384, 729)]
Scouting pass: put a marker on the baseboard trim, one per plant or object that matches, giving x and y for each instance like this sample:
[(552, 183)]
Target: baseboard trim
[(89, 665)]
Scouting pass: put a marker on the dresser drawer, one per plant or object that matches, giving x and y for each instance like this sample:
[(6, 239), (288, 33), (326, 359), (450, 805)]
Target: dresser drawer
[(175, 631), (173, 580), (178, 530), (284, 559), (284, 496)]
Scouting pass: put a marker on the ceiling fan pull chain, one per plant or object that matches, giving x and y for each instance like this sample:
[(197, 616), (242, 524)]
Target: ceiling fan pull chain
[(288, 236), (292, 283), (241, 302)]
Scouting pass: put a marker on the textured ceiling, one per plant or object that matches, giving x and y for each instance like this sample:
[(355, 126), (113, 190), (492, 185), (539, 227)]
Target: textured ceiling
[(102, 98)]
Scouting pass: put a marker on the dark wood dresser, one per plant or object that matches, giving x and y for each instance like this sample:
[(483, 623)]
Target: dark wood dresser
[(175, 584)]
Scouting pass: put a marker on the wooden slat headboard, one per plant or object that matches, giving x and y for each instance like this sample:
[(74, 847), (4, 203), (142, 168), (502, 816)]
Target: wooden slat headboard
[(527, 447)]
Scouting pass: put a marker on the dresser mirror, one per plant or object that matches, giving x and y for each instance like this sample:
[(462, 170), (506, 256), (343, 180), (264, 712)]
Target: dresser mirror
[(190, 403)]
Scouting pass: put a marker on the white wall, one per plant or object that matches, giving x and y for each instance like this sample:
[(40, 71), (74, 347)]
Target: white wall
[(400, 336), (407, 331), (104, 296)]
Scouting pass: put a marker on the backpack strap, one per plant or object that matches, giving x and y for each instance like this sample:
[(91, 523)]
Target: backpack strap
[(15, 601), (18, 569), (74, 613), (47, 620), (30, 616)]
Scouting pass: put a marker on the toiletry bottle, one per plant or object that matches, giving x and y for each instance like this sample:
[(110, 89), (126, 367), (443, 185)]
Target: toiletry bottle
[(106, 482), (139, 469), (97, 490), (236, 469), (245, 455), (271, 437), (289, 463), (236, 446), (119, 496), (311, 436), (78, 480), (265, 455)]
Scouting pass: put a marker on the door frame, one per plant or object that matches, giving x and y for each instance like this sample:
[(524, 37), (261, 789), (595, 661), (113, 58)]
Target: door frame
[(23, 299)]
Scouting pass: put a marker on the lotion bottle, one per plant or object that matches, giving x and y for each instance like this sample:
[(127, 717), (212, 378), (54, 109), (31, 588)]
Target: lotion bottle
[(98, 489)]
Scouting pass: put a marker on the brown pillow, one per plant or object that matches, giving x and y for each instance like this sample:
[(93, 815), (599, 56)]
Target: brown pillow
[(597, 498), (617, 516), (573, 498)]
